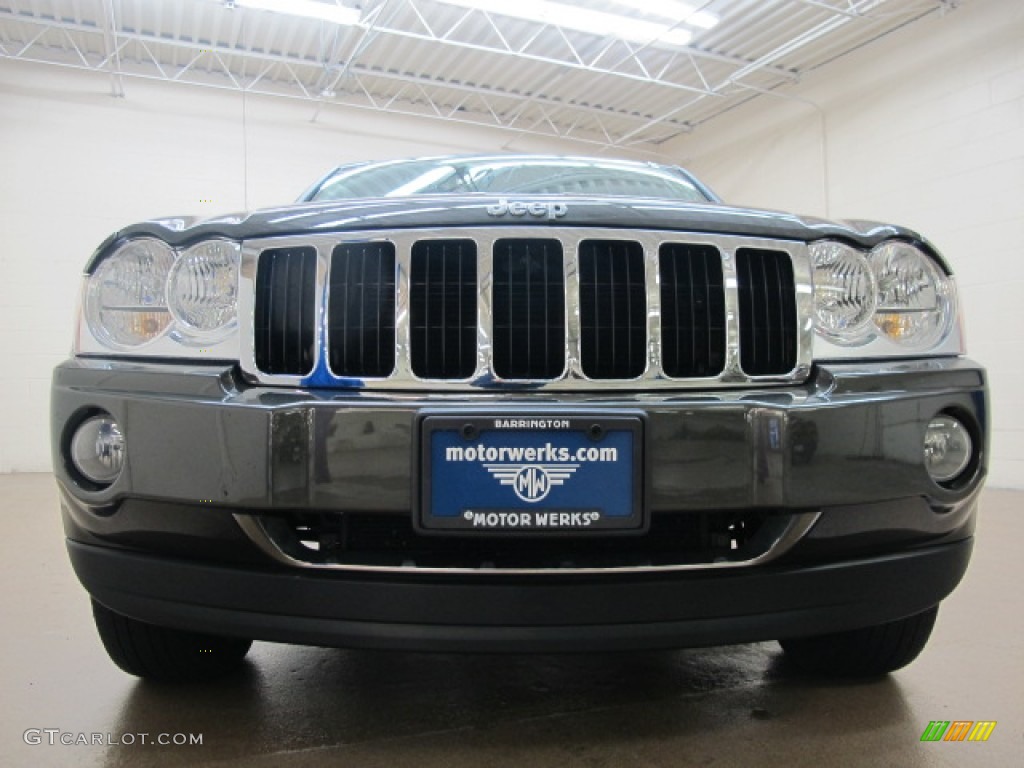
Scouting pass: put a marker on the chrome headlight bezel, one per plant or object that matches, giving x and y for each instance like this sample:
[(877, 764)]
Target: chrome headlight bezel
[(871, 340), (177, 337)]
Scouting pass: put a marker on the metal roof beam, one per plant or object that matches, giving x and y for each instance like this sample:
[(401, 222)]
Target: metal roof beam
[(219, 51), (110, 43), (575, 64), (827, 7), (599, 144), (521, 102), (370, 31), (580, 62), (541, 123), (858, 9)]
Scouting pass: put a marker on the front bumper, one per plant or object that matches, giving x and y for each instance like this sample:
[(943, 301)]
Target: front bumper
[(163, 543), (512, 616)]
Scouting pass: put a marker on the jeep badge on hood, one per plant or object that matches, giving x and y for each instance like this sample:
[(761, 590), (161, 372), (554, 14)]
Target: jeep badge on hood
[(550, 211)]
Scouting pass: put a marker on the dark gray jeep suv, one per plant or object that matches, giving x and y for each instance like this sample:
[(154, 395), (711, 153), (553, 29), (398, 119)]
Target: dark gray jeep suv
[(517, 403)]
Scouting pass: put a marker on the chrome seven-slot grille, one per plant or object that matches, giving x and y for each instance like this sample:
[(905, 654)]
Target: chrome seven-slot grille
[(528, 306)]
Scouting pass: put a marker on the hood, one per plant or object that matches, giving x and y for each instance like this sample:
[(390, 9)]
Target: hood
[(442, 211)]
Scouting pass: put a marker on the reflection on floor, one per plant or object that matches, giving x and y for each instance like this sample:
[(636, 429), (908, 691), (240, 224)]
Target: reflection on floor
[(310, 706)]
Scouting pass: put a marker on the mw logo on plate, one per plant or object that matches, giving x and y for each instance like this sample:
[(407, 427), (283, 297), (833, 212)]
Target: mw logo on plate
[(532, 482)]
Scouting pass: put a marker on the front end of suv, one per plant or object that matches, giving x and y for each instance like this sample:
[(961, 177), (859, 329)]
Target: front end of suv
[(482, 422)]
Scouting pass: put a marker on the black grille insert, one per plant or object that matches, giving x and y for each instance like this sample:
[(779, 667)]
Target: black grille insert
[(443, 309), (613, 309), (361, 315), (284, 321), (528, 309), (692, 310), (767, 298)]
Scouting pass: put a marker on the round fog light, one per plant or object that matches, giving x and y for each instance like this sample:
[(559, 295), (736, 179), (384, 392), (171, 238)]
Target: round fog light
[(947, 448), (97, 450)]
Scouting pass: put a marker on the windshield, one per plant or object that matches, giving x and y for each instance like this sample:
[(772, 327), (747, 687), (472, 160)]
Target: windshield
[(508, 175)]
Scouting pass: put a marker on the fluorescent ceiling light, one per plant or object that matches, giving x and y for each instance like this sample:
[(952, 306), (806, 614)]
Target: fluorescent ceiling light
[(671, 9), (582, 19), (310, 9)]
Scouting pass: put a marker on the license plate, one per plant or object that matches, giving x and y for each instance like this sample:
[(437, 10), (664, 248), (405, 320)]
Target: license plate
[(531, 474)]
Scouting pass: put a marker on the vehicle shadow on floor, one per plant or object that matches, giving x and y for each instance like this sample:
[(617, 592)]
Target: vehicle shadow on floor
[(289, 702)]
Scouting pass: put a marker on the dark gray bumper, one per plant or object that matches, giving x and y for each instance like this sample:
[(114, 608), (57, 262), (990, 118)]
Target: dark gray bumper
[(851, 435), (162, 543)]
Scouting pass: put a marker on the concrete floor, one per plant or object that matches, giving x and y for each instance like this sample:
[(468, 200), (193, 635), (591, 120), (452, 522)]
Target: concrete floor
[(309, 707)]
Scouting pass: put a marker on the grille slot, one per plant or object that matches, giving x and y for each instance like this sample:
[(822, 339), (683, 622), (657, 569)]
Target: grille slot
[(528, 303), (361, 313), (387, 540), (284, 317), (692, 310), (767, 303), (613, 309), (443, 309)]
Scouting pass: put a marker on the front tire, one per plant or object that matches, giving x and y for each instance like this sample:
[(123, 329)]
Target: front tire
[(161, 653), (865, 652)]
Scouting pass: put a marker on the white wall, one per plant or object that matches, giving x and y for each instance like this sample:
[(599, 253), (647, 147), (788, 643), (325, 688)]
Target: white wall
[(924, 127), (76, 164)]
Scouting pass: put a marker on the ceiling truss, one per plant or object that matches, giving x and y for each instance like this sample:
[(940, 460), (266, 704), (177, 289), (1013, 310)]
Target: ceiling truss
[(426, 58)]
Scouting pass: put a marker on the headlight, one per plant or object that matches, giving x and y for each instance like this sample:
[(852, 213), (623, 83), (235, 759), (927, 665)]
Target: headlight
[(844, 292), (202, 291), (892, 301), (915, 299), (150, 299), (124, 300)]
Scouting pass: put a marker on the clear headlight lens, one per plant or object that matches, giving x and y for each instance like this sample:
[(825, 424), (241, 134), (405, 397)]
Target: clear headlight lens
[(202, 291), (844, 292), (891, 301), (151, 298), (915, 299), (124, 302)]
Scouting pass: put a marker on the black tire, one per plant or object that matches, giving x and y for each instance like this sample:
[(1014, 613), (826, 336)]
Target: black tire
[(865, 652), (164, 654)]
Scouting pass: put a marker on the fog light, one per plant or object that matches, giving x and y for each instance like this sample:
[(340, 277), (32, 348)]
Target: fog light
[(97, 450), (947, 448)]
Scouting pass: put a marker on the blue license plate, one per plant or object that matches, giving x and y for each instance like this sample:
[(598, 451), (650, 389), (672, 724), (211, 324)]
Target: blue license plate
[(531, 474)]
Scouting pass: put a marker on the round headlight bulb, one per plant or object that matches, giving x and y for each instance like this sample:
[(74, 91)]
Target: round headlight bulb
[(844, 292), (915, 298), (947, 448), (98, 450), (202, 291), (125, 297)]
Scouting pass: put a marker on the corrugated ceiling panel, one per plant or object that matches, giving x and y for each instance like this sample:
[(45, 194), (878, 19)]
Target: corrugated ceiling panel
[(435, 58)]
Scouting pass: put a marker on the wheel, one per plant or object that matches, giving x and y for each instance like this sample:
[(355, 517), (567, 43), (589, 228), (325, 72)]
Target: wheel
[(863, 652), (160, 653)]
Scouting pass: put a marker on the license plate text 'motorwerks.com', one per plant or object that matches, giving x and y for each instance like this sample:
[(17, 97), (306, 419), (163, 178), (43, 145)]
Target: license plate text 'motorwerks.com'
[(514, 474)]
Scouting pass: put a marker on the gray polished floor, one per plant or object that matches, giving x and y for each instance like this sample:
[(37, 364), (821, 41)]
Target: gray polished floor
[(311, 707)]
